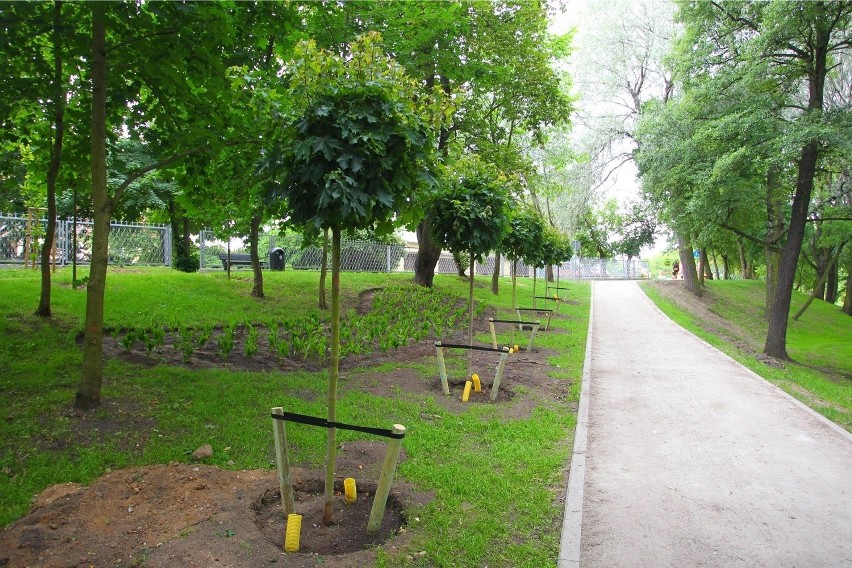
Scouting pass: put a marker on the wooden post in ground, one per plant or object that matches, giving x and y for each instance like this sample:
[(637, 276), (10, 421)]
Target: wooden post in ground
[(493, 333), (532, 336), (442, 368), (380, 500), (499, 375), (282, 458)]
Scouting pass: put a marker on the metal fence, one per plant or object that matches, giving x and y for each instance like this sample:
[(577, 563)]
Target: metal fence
[(581, 268), (138, 244), (129, 243)]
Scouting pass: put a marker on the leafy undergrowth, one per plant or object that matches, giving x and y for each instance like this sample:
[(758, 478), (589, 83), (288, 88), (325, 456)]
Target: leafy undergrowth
[(730, 317), (498, 478)]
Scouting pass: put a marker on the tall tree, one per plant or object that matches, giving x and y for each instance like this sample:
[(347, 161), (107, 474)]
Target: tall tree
[(792, 46), (36, 37), (180, 102)]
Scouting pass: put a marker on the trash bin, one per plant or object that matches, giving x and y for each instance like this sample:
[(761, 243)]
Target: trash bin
[(276, 259)]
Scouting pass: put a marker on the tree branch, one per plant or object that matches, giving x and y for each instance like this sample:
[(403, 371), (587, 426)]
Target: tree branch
[(119, 192), (762, 242)]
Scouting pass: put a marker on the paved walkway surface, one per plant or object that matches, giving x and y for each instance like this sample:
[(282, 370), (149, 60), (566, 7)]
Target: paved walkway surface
[(692, 460)]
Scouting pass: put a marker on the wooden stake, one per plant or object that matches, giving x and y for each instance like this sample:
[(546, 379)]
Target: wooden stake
[(283, 460), (493, 333), (380, 500), (532, 337), (499, 376), (442, 368)]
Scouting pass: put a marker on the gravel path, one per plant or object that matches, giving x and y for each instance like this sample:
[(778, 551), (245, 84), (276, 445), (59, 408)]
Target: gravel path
[(692, 460)]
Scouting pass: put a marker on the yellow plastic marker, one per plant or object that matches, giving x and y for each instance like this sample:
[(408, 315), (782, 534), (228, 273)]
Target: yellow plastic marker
[(477, 386), (516, 348), (350, 493), (466, 393), (293, 533), (511, 350)]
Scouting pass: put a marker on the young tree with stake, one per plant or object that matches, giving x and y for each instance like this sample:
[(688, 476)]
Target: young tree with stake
[(470, 214), (350, 156)]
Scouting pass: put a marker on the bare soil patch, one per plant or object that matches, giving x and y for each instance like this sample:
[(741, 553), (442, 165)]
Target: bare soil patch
[(198, 515)]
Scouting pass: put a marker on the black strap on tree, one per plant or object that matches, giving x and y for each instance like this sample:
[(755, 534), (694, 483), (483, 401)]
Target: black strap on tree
[(473, 347), (322, 422)]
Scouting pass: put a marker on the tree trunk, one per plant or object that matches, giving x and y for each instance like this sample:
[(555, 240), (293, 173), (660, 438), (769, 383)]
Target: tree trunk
[(460, 268), (323, 304), (776, 337), (89, 389), (254, 237), (515, 283), (715, 264), (428, 254), (55, 160), (334, 372), (470, 303), (687, 265), (743, 263), (186, 236), (831, 286), (847, 301), (174, 223), (702, 265), (705, 263), (831, 262), (495, 276), (726, 267), (535, 279)]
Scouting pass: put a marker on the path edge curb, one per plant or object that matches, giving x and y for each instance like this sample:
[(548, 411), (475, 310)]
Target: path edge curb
[(572, 520)]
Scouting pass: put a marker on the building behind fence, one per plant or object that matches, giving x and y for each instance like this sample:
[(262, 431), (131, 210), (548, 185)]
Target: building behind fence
[(138, 244)]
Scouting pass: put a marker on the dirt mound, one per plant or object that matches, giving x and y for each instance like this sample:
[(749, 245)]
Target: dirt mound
[(197, 515)]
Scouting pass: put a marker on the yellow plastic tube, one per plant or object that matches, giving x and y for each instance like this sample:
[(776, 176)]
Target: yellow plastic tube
[(516, 347), (477, 386), (350, 493), (466, 393), (293, 533)]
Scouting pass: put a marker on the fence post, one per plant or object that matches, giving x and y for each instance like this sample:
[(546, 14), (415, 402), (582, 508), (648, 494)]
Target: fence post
[(167, 246), (388, 251), (201, 249)]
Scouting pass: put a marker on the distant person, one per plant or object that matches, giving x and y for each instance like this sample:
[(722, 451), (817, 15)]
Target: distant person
[(675, 269)]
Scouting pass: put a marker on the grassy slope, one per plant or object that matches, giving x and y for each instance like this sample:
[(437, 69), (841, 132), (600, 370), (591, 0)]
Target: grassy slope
[(820, 342), (496, 480)]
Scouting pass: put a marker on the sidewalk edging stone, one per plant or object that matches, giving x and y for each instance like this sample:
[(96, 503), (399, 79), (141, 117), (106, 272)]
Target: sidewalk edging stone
[(572, 521)]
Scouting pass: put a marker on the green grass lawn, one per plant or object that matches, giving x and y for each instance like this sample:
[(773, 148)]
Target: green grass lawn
[(820, 342), (496, 480)]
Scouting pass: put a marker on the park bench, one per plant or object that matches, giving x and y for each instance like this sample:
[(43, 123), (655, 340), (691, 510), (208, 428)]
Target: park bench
[(237, 259)]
